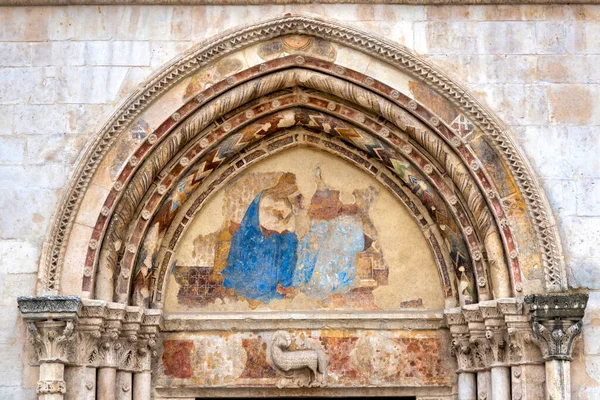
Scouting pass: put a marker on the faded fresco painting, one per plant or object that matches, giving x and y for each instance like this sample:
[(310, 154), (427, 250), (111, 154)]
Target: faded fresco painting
[(296, 238), (354, 357)]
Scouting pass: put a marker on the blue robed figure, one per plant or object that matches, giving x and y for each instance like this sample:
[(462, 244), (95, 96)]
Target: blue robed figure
[(262, 256)]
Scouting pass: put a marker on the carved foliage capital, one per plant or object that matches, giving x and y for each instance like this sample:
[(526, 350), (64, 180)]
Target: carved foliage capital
[(556, 322), (51, 339)]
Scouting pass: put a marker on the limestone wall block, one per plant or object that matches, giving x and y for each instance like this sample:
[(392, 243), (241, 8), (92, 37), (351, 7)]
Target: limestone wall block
[(26, 212), (87, 118), (583, 273), (40, 119), (24, 177), (164, 51), (583, 37), (580, 235), (560, 193), (18, 85), (550, 37), (60, 53), (15, 54), (54, 148), (506, 37), (563, 68), (117, 53), (516, 104), (574, 104), (20, 257), (6, 119), (16, 285), (83, 23), (86, 85), (588, 197), (23, 24), (12, 150), (154, 23), (8, 321)]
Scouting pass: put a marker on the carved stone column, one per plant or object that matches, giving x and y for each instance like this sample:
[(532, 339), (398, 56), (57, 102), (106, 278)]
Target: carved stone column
[(496, 334), (81, 374), (480, 349), (109, 350), (557, 323), (51, 322), (146, 351), (127, 352), (461, 349)]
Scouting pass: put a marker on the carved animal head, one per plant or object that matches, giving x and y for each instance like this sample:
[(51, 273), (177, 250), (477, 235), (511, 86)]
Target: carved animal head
[(281, 339)]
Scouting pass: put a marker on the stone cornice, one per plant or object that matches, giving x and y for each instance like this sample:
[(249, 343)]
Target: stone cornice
[(285, 2)]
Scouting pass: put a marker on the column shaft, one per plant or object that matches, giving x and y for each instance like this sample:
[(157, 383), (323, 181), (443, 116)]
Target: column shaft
[(142, 385), (484, 385), (81, 383), (467, 386), (107, 383), (51, 385), (124, 385), (500, 383), (558, 380)]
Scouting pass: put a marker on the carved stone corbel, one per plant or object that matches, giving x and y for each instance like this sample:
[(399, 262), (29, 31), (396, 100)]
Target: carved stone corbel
[(556, 322)]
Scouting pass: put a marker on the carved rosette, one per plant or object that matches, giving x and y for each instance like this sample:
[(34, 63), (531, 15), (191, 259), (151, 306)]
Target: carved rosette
[(557, 322)]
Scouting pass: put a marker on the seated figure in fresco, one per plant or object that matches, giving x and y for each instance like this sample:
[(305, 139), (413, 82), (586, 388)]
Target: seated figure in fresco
[(327, 253), (262, 257)]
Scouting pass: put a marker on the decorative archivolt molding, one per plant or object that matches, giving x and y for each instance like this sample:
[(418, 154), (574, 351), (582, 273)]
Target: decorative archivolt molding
[(547, 241), (283, 142), (192, 136)]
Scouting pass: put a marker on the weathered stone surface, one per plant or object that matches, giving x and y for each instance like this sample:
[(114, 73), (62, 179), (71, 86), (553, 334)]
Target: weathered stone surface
[(66, 69)]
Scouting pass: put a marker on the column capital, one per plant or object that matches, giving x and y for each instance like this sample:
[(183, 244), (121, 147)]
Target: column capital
[(557, 322), (461, 346), (496, 331), (51, 322), (146, 346)]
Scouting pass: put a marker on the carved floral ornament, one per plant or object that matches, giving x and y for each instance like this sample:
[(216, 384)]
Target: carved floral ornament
[(73, 331), (389, 127)]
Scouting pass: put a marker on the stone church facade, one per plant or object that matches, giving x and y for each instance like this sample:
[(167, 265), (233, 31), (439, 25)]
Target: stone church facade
[(299, 200)]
